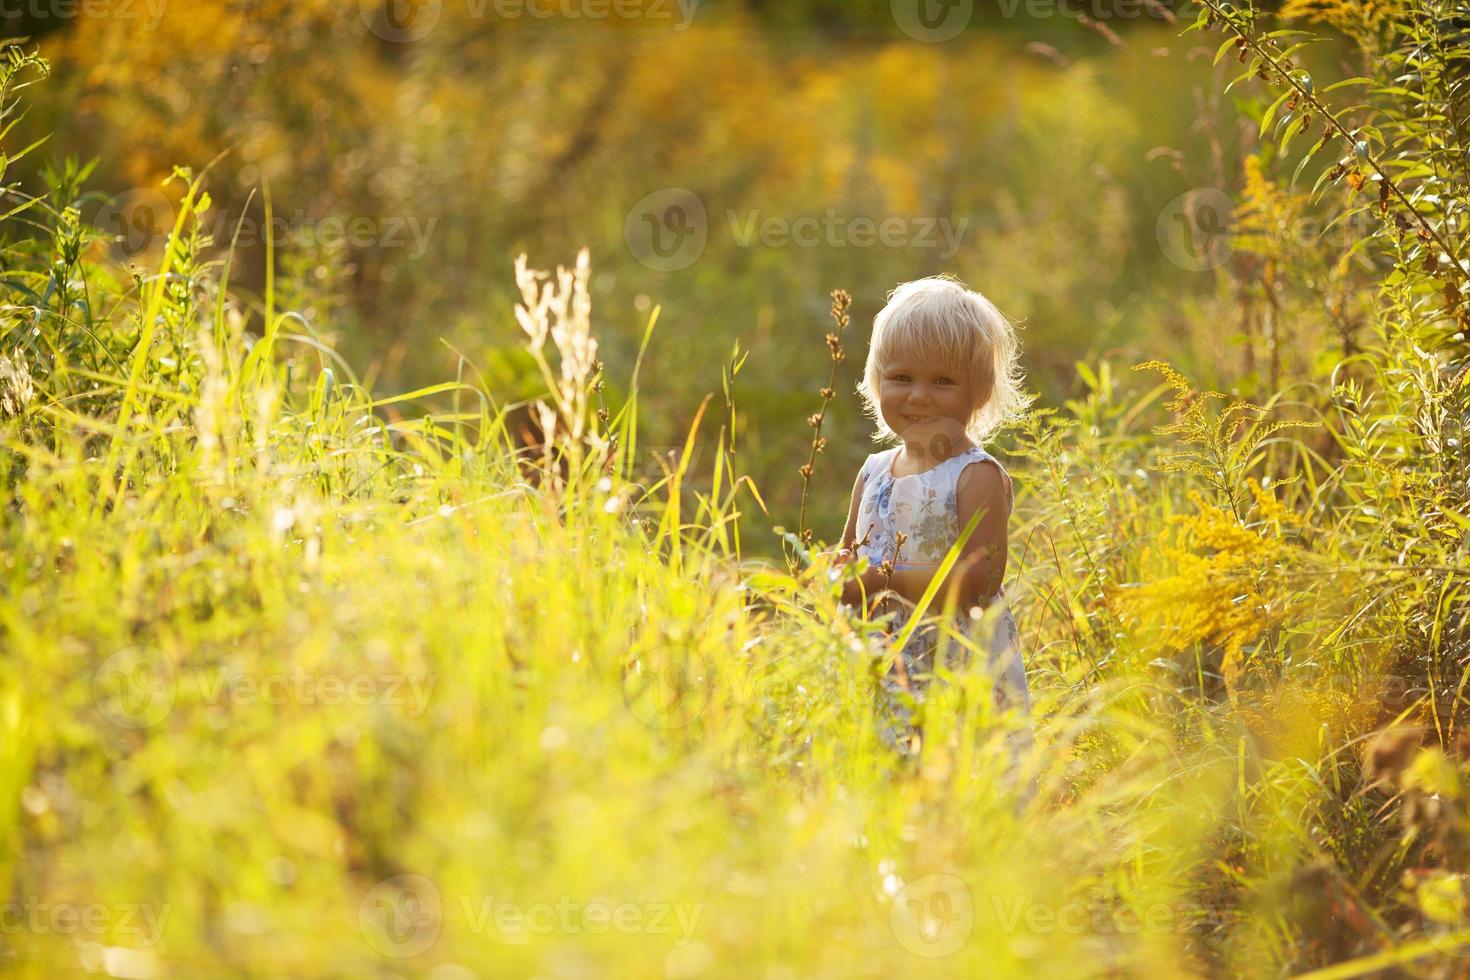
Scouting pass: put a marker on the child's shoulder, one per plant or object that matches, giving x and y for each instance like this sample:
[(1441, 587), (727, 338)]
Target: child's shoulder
[(876, 460), (978, 455)]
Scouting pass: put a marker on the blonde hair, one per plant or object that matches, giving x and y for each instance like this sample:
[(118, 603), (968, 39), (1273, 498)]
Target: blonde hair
[(942, 320)]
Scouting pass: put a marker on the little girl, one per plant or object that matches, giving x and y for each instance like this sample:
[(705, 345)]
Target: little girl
[(941, 378)]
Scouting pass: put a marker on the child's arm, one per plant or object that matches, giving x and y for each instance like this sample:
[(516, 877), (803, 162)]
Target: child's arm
[(980, 568), (849, 534), (846, 551)]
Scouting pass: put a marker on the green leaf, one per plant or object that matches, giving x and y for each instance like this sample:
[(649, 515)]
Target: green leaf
[(1220, 52), (1296, 126), (1087, 375), (1271, 113), (940, 575), (1359, 80), (1316, 148)]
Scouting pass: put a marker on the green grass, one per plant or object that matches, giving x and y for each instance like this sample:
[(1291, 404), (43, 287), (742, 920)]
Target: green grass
[(262, 681), (249, 681), (298, 678)]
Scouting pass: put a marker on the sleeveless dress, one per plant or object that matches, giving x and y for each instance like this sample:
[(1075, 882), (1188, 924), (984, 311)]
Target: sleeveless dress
[(924, 507)]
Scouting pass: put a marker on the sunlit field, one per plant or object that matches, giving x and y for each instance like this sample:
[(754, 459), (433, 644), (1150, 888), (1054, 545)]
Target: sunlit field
[(426, 429)]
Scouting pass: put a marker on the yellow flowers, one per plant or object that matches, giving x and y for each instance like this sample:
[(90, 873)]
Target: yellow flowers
[(1216, 447), (1356, 18), (1266, 214), (1225, 587)]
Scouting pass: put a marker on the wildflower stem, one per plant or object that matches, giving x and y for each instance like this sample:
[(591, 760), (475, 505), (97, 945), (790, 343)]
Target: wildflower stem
[(841, 303), (1305, 93)]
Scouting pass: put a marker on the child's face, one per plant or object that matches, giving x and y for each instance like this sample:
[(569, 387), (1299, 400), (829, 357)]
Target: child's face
[(922, 401)]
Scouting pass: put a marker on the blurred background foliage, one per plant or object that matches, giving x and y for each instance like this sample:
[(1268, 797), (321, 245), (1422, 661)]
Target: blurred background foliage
[(1052, 146)]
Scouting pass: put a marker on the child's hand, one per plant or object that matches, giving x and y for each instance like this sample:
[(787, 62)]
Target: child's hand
[(825, 566), (835, 558)]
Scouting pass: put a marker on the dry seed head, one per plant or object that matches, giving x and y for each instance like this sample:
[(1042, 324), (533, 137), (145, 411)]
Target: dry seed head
[(16, 387), (841, 303)]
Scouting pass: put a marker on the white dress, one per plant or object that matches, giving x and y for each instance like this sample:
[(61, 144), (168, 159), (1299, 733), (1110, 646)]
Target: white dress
[(924, 507)]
